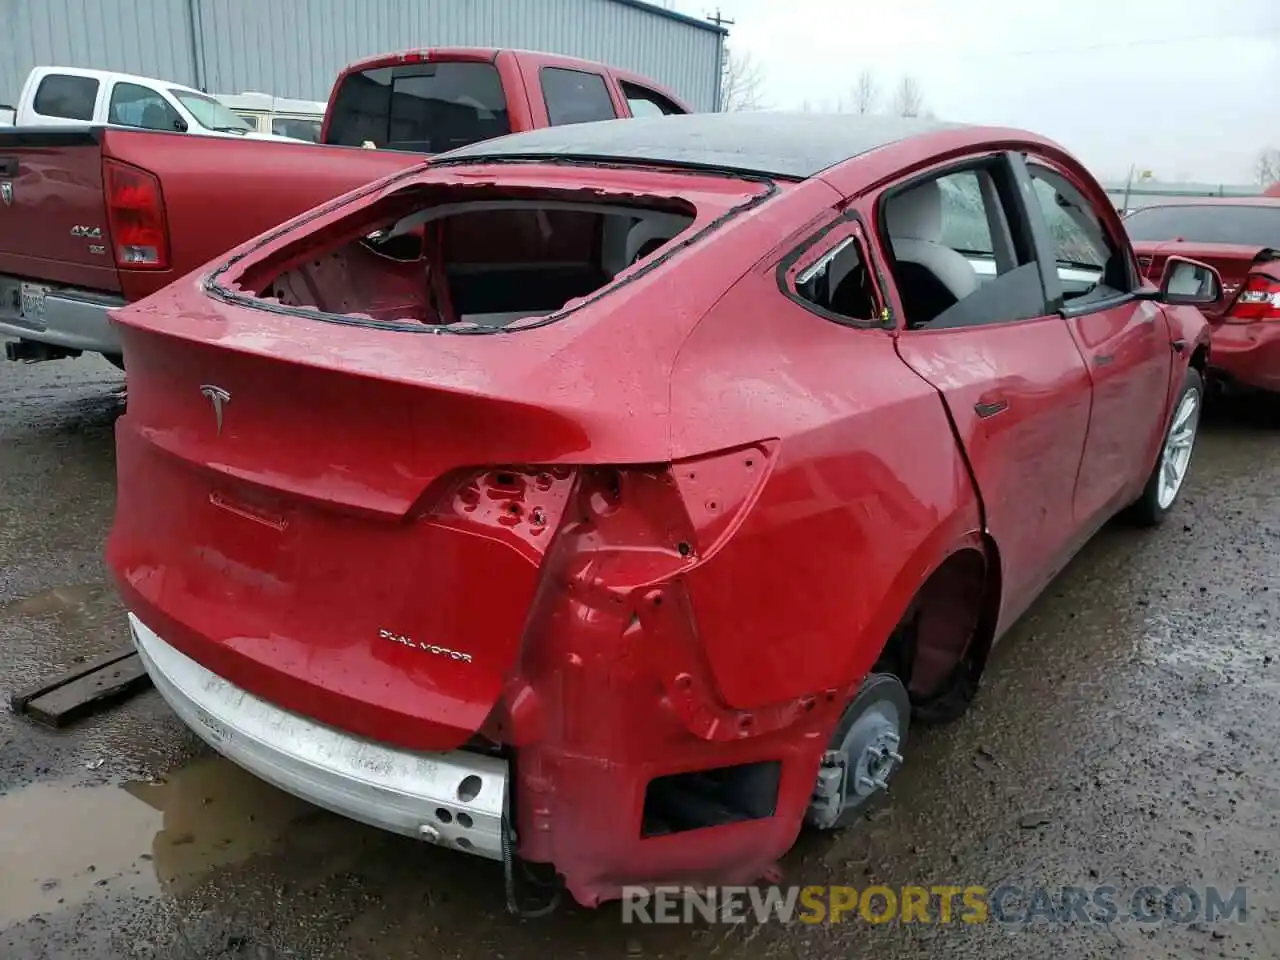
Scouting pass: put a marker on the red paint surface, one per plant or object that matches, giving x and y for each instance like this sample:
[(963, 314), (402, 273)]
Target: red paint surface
[(736, 501)]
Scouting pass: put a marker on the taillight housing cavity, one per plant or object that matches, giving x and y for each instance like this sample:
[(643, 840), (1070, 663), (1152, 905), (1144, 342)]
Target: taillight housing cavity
[(1258, 299), (136, 217)]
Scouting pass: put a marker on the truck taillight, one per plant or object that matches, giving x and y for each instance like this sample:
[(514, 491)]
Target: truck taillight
[(1259, 299), (135, 213)]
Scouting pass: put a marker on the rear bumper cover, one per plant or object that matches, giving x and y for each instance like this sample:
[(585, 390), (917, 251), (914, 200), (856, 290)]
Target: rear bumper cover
[(1247, 354), (455, 799), (74, 320)]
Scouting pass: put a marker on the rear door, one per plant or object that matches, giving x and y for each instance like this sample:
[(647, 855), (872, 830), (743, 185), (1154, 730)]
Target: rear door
[(1001, 358), (1124, 341)]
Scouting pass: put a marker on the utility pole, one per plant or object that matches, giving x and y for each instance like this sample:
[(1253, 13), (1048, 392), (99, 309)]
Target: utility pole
[(718, 20)]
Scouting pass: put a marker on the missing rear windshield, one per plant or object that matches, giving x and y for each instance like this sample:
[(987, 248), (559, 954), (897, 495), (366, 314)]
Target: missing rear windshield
[(465, 259), (421, 108)]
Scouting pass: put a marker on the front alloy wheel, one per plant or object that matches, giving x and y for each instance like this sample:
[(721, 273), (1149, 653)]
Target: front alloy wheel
[(1171, 468)]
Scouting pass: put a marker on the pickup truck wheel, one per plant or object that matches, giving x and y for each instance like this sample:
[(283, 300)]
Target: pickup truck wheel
[(1166, 480), (115, 359), (865, 750)]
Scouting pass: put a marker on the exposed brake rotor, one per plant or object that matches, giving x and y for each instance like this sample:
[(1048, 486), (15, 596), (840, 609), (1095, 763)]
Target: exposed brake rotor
[(865, 751)]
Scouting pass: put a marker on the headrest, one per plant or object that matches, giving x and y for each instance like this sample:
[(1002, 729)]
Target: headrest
[(916, 214)]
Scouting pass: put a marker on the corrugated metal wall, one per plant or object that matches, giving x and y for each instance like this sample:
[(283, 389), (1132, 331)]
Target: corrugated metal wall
[(150, 37), (295, 48)]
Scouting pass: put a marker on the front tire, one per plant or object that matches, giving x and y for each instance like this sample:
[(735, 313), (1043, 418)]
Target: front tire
[(1166, 480)]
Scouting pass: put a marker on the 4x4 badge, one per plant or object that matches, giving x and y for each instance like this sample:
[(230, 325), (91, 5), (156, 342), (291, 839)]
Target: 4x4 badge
[(6, 192)]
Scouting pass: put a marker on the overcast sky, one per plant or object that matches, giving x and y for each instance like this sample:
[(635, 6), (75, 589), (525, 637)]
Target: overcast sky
[(1189, 89)]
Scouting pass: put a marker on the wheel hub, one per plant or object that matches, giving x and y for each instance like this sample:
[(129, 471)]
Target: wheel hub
[(865, 752)]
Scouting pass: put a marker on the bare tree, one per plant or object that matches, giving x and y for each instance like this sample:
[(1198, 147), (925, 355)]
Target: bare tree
[(1266, 169), (865, 95), (908, 101), (741, 78)]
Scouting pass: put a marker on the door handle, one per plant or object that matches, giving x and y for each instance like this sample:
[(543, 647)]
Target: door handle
[(989, 408), (8, 166), (1103, 359), (1178, 345)]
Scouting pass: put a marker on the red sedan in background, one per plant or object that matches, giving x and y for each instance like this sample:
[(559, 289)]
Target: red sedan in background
[(611, 497), (1240, 236)]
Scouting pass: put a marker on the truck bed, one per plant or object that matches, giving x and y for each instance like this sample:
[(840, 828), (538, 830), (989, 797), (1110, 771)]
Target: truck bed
[(59, 270)]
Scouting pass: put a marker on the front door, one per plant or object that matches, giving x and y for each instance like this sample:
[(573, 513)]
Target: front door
[(975, 323), (1124, 342)]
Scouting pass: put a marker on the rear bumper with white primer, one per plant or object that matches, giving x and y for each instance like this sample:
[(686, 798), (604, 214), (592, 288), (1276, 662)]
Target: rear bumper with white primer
[(407, 792)]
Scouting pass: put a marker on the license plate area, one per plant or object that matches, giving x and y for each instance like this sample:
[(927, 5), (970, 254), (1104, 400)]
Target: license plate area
[(32, 296)]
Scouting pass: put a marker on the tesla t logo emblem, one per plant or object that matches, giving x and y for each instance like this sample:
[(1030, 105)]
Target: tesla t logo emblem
[(6, 192), (218, 397)]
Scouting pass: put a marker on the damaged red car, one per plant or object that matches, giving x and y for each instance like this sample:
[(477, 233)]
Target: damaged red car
[(612, 497), (1240, 237)]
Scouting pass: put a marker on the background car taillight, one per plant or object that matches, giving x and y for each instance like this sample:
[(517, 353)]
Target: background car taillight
[(1259, 299), (135, 213)]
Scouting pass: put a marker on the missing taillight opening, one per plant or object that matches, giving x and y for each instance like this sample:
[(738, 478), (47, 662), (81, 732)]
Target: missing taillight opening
[(467, 256), (135, 217)]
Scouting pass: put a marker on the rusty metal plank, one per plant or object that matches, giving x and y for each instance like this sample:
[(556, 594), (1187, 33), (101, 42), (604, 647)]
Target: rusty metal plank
[(89, 692), (20, 699)]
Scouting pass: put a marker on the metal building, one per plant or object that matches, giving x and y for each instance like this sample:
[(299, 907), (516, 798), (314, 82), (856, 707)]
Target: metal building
[(295, 48)]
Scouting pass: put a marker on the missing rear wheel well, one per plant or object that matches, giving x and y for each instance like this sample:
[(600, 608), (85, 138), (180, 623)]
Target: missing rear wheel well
[(939, 649)]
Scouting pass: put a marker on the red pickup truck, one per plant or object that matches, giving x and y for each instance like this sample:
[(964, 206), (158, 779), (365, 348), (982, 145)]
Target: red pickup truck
[(92, 218)]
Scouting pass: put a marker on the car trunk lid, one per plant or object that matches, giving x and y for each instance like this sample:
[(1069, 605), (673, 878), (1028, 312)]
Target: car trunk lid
[(350, 518), (1232, 261)]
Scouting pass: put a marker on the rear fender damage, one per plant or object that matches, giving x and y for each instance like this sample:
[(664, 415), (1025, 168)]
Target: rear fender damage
[(630, 767)]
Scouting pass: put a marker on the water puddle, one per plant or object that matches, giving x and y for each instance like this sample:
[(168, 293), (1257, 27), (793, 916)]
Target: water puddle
[(61, 844), (77, 600)]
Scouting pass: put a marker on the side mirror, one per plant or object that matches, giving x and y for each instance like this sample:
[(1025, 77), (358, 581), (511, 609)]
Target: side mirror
[(180, 125), (1189, 282)]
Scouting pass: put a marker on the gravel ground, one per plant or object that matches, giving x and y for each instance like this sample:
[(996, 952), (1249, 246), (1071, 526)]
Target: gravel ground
[(1126, 734)]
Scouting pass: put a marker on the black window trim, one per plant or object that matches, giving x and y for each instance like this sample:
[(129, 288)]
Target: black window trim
[(542, 88), (97, 92), (861, 237), (1020, 225), (1049, 251)]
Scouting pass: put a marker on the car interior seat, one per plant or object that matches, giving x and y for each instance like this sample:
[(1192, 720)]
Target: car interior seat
[(645, 237), (931, 276), (153, 117)]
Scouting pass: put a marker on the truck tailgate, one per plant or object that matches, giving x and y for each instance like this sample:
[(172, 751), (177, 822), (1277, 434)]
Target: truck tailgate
[(53, 218)]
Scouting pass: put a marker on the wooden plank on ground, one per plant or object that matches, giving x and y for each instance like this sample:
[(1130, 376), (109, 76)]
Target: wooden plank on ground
[(20, 699), (90, 692)]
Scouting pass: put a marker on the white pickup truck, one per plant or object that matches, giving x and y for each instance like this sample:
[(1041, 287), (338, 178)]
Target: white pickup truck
[(73, 96)]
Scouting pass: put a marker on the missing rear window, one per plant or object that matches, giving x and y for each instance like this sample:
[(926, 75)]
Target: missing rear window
[(483, 261)]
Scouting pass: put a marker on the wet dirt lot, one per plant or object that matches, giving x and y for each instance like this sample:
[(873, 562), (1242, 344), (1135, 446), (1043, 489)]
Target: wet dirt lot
[(1127, 734)]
